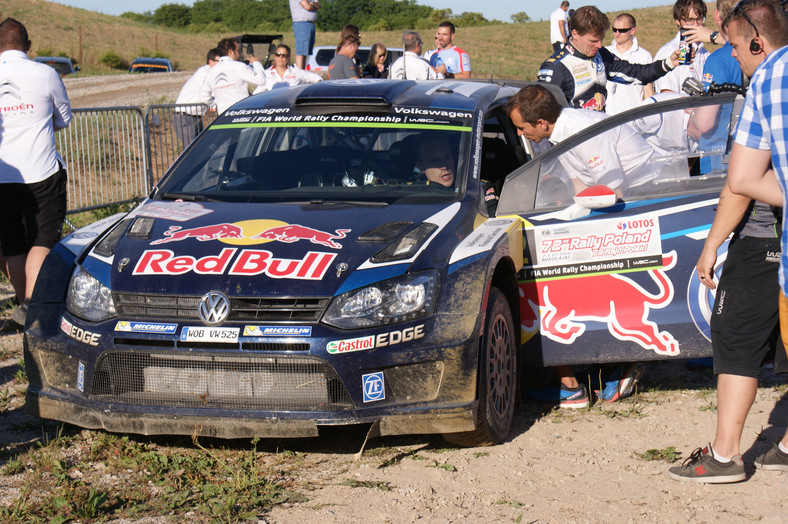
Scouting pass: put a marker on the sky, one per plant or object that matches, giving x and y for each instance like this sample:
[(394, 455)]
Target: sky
[(491, 9)]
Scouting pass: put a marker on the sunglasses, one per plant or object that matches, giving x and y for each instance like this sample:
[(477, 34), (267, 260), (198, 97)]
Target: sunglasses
[(739, 7), (280, 55), (621, 30)]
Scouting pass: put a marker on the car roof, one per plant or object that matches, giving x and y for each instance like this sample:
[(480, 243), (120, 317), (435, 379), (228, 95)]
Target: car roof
[(444, 94), (150, 60), (52, 59)]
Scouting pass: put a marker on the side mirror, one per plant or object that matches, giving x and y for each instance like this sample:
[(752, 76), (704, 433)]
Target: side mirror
[(594, 197)]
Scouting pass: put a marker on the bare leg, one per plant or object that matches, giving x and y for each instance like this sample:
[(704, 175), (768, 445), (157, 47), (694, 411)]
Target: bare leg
[(16, 274), (735, 395), (35, 258), (300, 61), (566, 376)]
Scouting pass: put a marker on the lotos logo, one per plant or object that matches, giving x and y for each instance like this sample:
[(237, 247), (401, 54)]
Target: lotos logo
[(636, 224), (251, 232), (249, 262), (214, 232), (618, 301)]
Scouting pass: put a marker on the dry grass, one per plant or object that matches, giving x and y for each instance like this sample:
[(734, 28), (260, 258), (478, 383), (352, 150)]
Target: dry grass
[(508, 51)]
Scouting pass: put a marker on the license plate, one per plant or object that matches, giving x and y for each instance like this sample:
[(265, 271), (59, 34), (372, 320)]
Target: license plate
[(209, 334)]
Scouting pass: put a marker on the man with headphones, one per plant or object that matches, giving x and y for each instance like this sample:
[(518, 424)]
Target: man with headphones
[(758, 33)]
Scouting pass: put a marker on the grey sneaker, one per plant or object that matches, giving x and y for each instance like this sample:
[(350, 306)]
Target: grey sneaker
[(773, 459), (20, 314), (701, 466)]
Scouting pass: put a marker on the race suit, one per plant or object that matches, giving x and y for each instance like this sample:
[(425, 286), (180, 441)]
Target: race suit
[(582, 78)]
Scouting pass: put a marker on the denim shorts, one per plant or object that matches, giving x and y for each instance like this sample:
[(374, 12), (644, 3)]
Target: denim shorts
[(304, 33)]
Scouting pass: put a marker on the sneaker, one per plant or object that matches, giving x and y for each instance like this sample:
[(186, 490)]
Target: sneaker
[(563, 396), (701, 466), (773, 459), (20, 314), (621, 384)]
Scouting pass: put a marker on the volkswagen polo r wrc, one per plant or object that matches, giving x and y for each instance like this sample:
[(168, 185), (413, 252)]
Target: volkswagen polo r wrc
[(299, 266)]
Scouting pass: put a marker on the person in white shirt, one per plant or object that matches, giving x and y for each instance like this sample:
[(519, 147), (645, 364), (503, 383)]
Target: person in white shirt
[(187, 120), (282, 74), (226, 82), (32, 173), (686, 13), (621, 97), (558, 19), (411, 66), (618, 158)]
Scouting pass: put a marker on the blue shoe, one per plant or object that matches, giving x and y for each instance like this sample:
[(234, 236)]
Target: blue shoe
[(622, 382), (563, 396)]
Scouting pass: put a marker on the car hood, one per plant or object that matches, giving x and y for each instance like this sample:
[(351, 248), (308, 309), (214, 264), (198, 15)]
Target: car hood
[(265, 249)]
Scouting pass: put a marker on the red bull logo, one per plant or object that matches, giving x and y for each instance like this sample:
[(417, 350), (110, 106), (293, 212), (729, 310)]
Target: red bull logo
[(212, 232), (232, 261), (250, 232), (562, 306), (295, 232)]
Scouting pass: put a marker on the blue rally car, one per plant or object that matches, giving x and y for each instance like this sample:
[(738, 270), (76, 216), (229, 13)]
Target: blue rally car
[(331, 254)]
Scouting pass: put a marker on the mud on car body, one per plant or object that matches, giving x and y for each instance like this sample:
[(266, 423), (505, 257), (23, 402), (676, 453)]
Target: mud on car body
[(296, 268)]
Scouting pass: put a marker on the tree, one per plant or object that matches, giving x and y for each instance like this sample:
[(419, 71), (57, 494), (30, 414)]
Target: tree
[(206, 12), (520, 17), (145, 18), (171, 15)]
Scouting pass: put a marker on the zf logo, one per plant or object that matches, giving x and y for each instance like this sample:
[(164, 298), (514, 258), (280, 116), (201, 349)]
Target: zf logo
[(373, 386)]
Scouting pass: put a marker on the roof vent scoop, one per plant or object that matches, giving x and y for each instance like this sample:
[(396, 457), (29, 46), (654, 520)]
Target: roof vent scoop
[(384, 232)]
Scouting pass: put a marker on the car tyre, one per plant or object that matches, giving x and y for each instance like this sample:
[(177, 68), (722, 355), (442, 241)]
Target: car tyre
[(497, 377)]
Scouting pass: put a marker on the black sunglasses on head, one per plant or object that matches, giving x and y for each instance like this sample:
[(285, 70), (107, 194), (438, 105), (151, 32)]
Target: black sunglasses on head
[(739, 7)]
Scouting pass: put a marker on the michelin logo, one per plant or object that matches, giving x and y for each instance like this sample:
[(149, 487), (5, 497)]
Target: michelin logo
[(277, 331), (146, 327)]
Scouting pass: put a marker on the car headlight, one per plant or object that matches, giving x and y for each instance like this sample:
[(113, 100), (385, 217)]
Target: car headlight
[(400, 299), (88, 298)]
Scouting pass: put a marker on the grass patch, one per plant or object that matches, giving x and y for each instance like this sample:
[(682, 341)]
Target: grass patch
[(114, 476), (370, 484), (668, 454)]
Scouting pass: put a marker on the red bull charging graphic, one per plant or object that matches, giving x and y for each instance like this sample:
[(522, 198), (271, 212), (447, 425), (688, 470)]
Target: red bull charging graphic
[(249, 232), (556, 302)]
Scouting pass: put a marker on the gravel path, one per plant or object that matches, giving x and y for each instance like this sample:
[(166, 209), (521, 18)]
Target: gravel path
[(125, 89)]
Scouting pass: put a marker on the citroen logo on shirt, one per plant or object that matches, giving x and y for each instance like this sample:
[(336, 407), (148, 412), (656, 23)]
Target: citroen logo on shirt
[(9, 88), (214, 308)]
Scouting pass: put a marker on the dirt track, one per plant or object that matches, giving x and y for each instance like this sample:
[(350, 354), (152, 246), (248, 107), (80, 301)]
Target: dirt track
[(125, 89)]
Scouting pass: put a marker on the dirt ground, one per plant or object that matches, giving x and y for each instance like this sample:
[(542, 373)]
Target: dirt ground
[(557, 466)]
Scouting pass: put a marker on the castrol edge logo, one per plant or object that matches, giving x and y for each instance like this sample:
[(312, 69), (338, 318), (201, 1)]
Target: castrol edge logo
[(375, 341)]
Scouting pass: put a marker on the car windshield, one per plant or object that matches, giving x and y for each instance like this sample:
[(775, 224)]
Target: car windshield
[(283, 154), (62, 68)]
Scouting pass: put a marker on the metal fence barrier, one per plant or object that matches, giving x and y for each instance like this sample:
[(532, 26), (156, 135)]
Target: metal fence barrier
[(114, 155)]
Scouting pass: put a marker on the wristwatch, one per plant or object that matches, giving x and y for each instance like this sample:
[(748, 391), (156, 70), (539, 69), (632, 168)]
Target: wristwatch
[(713, 36)]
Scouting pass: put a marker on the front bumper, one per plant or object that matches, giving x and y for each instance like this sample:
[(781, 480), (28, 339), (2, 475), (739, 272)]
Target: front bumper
[(109, 383)]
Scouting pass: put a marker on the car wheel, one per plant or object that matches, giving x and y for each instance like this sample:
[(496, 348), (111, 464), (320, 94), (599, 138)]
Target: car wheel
[(497, 377)]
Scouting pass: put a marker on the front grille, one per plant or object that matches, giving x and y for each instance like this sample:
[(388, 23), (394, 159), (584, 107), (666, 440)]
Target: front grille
[(194, 380), (250, 309)]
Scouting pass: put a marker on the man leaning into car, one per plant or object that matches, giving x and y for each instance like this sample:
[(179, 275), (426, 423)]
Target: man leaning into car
[(32, 173), (619, 158)]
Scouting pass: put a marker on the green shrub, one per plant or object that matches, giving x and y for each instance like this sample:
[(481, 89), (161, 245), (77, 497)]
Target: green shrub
[(113, 60)]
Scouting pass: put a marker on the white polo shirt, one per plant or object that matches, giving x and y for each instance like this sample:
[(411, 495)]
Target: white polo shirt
[(292, 77), (411, 66), (621, 97), (190, 92), (226, 82), (614, 158), (33, 105), (673, 79)]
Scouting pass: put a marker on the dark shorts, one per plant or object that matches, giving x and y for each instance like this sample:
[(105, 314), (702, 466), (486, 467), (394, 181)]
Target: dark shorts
[(304, 34), (744, 321), (32, 214)]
